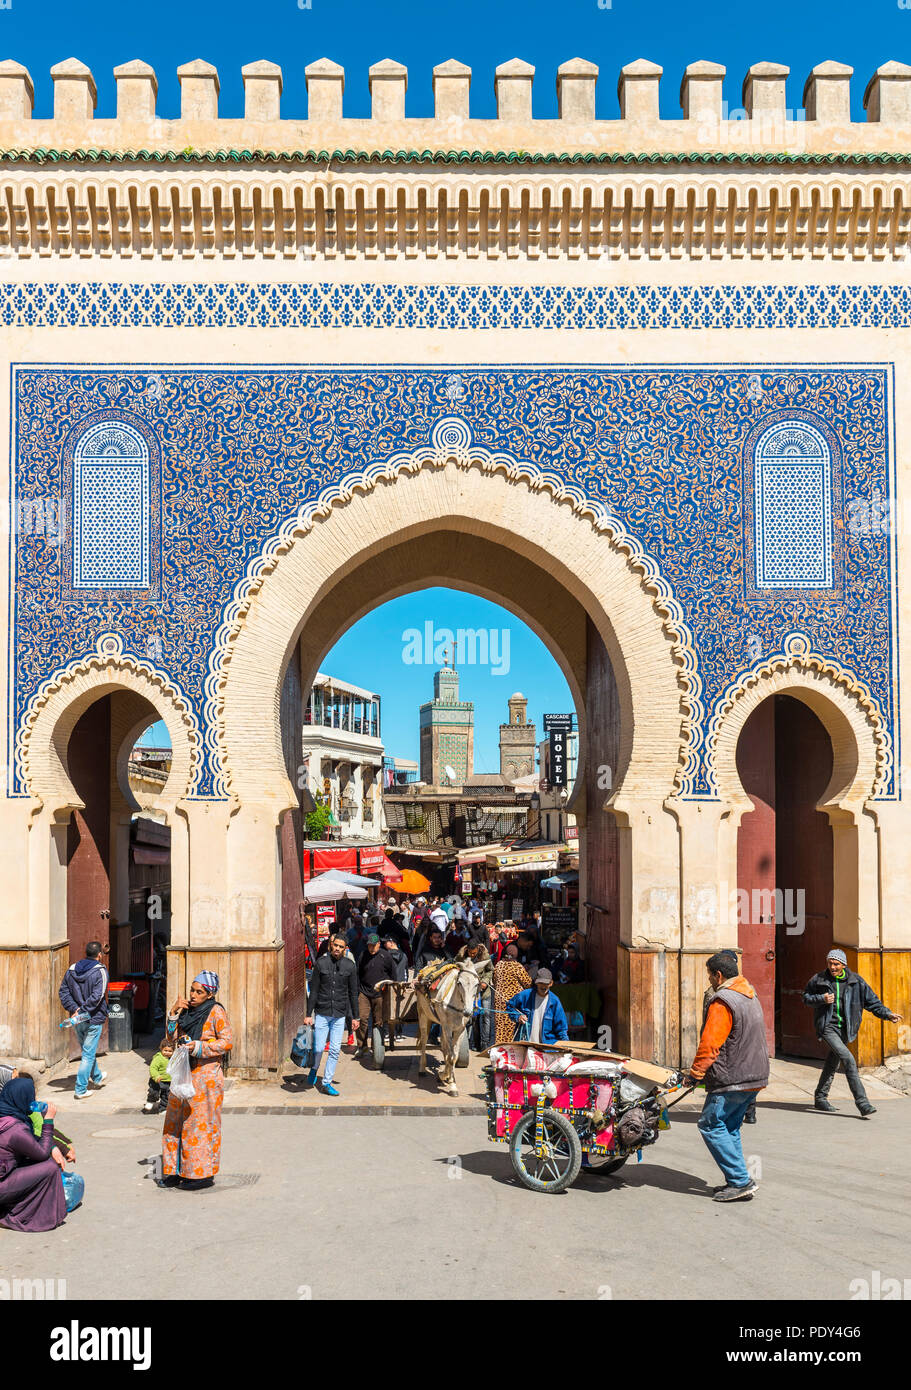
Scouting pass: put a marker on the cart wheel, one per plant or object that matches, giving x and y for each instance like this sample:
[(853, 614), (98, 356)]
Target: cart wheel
[(462, 1056), (379, 1047), (560, 1167), (605, 1167)]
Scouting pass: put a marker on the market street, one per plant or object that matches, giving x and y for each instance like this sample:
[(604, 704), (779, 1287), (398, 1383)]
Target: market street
[(406, 1206)]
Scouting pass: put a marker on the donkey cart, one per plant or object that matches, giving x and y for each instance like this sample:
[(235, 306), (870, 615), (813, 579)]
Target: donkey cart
[(604, 1106)]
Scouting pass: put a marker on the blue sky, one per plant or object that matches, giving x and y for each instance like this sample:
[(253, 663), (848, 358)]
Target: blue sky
[(481, 33), (372, 654)]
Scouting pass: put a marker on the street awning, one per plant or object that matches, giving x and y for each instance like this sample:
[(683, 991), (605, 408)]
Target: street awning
[(372, 858), (527, 861), (326, 889), (339, 858), (560, 880)]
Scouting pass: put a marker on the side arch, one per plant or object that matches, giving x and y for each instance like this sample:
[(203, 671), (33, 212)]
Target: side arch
[(860, 743), (57, 706)]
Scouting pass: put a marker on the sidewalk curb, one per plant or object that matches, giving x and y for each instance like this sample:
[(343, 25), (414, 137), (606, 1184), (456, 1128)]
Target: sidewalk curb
[(475, 1108)]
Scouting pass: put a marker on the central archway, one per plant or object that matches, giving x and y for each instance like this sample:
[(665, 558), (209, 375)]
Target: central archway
[(553, 562)]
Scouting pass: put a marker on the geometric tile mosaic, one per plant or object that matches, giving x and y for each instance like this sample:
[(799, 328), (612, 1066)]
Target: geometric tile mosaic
[(666, 450)]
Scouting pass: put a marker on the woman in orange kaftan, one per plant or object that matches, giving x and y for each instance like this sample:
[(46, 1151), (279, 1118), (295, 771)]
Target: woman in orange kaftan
[(191, 1143)]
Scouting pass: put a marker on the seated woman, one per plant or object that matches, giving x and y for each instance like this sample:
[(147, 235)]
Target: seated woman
[(31, 1189)]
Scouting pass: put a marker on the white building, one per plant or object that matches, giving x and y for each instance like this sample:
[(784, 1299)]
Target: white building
[(343, 753)]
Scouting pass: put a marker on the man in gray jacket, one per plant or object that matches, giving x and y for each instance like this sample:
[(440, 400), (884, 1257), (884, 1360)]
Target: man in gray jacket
[(733, 1060)]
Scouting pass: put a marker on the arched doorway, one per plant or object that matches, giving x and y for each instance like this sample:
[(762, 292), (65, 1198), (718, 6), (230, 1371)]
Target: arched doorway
[(604, 617), (75, 749), (785, 865)]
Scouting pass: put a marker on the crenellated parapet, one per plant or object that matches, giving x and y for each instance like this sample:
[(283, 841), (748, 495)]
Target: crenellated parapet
[(825, 105), (762, 181)]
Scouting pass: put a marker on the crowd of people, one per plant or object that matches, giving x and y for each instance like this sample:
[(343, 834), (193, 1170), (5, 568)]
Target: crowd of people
[(391, 938)]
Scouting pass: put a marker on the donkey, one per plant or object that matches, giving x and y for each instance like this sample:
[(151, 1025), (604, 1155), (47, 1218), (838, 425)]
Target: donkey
[(451, 1007)]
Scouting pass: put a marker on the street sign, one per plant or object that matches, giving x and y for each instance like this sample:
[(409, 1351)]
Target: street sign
[(558, 721)]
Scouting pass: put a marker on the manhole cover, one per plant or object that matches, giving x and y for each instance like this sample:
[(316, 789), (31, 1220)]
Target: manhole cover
[(226, 1180), (127, 1132)]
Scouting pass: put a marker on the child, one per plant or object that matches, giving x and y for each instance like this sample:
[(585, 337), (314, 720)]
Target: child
[(159, 1079)]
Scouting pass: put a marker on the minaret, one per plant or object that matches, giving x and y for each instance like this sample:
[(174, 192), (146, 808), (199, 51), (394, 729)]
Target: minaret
[(517, 741), (447, 731)]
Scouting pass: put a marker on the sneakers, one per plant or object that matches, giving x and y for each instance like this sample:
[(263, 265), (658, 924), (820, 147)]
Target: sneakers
[(866, 1110), (100, 1082), (734, 1194), (328, 1089), (82, 1095), (310, 1078), (822, 1104)]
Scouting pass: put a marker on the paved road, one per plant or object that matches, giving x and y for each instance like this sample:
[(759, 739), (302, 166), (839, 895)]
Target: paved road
[(396, 1206)]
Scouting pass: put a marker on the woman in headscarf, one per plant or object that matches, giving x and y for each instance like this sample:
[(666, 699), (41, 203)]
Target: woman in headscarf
[(31, 1189), (191, 1143), (509, 977)]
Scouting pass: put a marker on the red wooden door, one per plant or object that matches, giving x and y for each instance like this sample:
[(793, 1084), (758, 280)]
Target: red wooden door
[(756, 859), (803, 766), (88, 844)]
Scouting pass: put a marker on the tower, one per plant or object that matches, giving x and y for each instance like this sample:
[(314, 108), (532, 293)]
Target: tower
[(447, 731), (517, 741)]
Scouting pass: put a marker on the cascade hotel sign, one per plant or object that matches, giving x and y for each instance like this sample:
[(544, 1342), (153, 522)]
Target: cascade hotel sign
[(559, 726)]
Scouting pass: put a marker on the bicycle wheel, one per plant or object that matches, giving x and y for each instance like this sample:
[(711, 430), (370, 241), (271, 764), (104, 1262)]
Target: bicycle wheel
[(559, 1167)]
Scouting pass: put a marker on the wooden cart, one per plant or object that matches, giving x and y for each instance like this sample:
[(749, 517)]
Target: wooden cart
[(550, 1119)]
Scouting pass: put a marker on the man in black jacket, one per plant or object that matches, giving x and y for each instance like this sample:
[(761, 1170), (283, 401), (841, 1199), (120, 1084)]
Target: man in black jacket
[(333, 998), (838, 998), (375, 965)]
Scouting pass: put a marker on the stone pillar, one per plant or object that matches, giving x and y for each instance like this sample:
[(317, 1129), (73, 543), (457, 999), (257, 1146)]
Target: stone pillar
[(451, 83), (888, 95), (512, 85), (17, 92), (75, 93), (764, 91), (701, 91), (388, 83), (827, 94), (262, 91), (576, 82), (638, 90), (325, 89), (199, 88), (137, 89), (650, 935), (708, 871)]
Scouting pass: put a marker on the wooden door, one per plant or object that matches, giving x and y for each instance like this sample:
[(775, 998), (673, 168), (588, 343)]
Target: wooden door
[(756, 859), (804, 852)]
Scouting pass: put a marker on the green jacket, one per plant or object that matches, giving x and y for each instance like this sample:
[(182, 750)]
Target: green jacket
[(158, 1068)]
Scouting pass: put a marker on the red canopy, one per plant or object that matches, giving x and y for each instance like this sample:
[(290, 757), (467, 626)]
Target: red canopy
[(390, 871), (338, 858)]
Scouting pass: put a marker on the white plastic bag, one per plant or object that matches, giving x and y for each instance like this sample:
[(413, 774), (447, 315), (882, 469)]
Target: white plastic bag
[(181, 1077)]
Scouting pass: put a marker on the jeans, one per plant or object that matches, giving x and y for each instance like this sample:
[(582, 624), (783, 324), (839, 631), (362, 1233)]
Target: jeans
[(481, 1024), (719, 1124), (89, 1035), (839, 1055), (333, 1027)]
